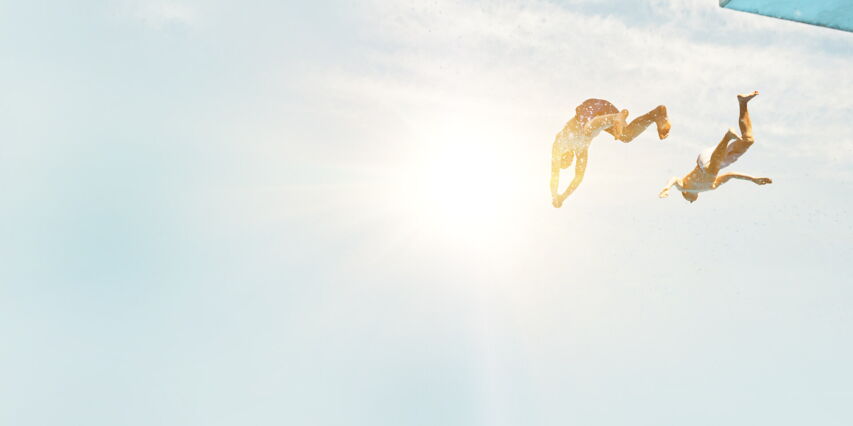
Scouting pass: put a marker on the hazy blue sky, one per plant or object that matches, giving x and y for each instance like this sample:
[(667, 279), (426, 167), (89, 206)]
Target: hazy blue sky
[(337, 213)]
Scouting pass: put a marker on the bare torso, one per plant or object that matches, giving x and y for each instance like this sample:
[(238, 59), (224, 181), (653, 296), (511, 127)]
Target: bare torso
[(573, 138), (697, 181)]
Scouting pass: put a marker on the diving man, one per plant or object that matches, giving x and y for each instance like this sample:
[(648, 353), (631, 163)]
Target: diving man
[(591, 117), (706, 175)]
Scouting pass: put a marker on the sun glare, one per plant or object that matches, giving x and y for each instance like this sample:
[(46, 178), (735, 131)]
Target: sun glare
[(459, 189)]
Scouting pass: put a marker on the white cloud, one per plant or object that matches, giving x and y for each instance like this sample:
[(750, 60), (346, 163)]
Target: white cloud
[(538, 58), (160, 14)]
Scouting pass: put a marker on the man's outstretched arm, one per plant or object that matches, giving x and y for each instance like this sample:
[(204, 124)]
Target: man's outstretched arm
[(580, 169), (721, 179), (555, 176), (665, 191)]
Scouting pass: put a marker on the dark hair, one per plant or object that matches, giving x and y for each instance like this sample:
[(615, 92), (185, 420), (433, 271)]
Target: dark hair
[(691, 197)]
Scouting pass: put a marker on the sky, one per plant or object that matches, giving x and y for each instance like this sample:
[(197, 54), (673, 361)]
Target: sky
[(337, 213)]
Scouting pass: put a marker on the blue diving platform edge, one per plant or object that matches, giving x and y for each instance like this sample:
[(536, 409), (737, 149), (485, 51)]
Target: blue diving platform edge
[(837, 14)]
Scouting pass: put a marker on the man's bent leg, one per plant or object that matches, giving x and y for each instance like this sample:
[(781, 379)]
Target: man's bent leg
[(743, 143), (720, 153), (743, 116), (734, 151), (639, 125)]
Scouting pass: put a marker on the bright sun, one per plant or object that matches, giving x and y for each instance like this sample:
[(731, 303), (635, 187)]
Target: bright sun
[(460, 188)]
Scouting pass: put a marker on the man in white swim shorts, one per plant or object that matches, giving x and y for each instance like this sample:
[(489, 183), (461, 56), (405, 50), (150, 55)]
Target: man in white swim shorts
[(705, 176), (591, 117)]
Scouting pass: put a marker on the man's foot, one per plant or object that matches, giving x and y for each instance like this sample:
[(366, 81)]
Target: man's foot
[(746, 98), (662, 122), (763, 181)]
